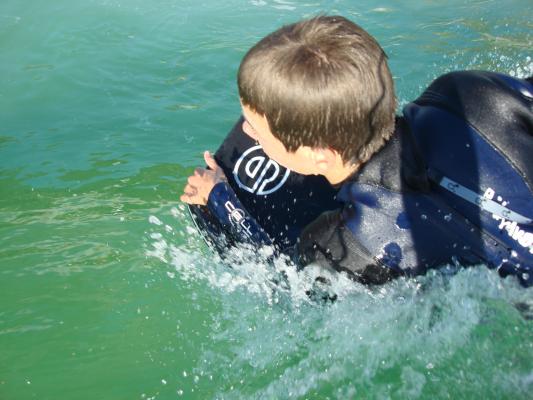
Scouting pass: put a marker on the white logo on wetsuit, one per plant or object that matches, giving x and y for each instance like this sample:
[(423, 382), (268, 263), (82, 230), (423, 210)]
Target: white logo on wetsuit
[(237, 217), (258, 174), (524, 239)]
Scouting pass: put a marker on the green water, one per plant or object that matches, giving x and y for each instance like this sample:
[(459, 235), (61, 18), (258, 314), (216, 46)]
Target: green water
[(107, 293)]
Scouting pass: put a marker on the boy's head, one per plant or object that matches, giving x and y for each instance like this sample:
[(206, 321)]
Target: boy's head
[(321, 83)]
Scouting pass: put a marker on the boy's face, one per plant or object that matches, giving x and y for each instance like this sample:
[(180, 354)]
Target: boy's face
[(256, 126)]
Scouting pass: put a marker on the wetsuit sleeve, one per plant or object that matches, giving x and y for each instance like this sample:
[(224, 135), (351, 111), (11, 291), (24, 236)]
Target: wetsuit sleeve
[(226, 207), (329, 243)]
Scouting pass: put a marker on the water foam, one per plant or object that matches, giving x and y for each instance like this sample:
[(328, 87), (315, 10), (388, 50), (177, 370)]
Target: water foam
[(398, 340)]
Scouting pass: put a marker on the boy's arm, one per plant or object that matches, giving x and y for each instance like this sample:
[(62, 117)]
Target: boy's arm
[(226, 207), (209, 187)]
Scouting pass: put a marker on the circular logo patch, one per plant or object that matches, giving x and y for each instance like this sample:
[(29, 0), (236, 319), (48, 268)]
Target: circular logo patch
[(256, 173)]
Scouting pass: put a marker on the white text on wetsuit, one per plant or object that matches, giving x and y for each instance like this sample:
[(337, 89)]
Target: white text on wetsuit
[(524, 239), (237, 217)]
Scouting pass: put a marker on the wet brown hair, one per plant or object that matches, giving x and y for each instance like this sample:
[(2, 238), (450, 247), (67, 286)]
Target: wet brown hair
[(322, 82)]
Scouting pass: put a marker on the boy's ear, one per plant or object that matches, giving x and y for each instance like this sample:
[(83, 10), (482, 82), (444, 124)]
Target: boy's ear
[(323, 159)]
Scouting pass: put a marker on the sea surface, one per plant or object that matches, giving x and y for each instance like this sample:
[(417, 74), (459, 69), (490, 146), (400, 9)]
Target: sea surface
[(106, 290)]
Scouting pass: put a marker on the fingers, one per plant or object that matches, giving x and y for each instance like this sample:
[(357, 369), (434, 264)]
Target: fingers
[(210, 161), (201, 182), (193, 180), (199, 171), (190, 190), (189, 199), (190, 196), (199, 176), (193, 200)]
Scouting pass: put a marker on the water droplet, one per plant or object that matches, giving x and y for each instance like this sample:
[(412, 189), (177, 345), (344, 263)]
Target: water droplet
[(448, 217), (456, 262), (424, 217)]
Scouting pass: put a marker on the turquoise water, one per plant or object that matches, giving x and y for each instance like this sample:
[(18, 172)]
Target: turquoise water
[(107, 292)]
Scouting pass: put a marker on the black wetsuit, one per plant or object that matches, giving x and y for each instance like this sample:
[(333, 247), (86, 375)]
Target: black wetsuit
[(453, 185)]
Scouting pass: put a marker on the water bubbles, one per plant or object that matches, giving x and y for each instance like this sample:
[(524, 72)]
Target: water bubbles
[(190, 230), (154, 220), (448, 217), (455, 262), (266, 317), (423, 217)]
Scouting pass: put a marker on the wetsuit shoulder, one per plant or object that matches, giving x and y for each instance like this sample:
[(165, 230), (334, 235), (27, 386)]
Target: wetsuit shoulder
[(467, 125), (497, 106)]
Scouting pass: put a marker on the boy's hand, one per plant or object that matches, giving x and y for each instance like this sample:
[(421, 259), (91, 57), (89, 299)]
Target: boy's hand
[(200, 184)]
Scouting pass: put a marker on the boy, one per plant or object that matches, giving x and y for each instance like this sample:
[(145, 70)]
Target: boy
[(449, 182)]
